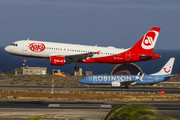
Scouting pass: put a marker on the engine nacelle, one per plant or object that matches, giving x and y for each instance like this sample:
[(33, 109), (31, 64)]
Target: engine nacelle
[(115, 84), (55, 60)]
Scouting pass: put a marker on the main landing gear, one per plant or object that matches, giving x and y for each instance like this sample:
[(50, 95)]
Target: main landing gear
[(76, 68), (126, 86), (24, 61)]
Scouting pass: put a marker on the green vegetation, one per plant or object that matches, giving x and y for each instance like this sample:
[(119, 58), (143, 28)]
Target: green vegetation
[(175, 78), (47, 84), (35, 118), (134, 112), (15, 97), (10, 72), (1, 74), (11, 83), (39, 83)]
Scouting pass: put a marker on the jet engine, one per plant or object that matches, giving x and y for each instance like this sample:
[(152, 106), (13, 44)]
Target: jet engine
[(115, 84), (55, 60)]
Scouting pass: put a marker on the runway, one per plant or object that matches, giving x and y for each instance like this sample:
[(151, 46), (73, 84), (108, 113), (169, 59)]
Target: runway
[(171, 90), (76, 109), (19, 109), (160, 105)]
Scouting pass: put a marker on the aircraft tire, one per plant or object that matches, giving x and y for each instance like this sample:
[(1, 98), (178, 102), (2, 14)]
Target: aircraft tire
[(76, 68)]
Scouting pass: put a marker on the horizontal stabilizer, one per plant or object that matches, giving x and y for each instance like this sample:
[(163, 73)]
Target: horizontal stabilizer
[(169, 76), (149, 56)]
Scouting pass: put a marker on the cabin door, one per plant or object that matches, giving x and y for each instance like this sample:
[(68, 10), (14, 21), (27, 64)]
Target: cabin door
[(128, 55), (25, 46)]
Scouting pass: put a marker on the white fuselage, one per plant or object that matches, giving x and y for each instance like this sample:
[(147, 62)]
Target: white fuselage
[(22, 48)]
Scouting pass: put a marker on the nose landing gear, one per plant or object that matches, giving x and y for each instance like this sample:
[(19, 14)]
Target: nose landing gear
[(126, 86), (24, 61)]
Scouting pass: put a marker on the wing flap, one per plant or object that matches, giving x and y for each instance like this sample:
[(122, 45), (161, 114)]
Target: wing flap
[(77, 57), (129, 82)]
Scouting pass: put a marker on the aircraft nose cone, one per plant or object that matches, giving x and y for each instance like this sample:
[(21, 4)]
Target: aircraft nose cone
[(80, 81), (6, 49)]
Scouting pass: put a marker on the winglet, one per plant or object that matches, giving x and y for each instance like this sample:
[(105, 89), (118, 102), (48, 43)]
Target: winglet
[(97, 52), (142, 77), (167, 69), (138, 73)]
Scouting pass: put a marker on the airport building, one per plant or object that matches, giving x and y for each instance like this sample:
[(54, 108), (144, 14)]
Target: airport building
[(88, 73), (57, 71), (31, 71)]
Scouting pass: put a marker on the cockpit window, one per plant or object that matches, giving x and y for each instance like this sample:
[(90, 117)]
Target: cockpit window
[(13, 44)]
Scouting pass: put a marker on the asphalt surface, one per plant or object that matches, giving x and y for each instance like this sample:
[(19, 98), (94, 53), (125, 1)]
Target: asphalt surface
[(171, 90), (76, 110), (160, 105)]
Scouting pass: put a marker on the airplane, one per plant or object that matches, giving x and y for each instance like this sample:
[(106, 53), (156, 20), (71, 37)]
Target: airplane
[(63, 53), (119, 80)]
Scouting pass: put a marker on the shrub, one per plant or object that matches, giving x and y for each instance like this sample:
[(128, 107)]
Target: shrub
[(34, 118), (134, 112)]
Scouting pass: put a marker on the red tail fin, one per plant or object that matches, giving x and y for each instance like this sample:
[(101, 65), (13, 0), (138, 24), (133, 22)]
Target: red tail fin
[(147, 42)]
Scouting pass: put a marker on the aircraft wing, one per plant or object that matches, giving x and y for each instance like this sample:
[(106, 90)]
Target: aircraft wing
[(129, 82), (77, 57)]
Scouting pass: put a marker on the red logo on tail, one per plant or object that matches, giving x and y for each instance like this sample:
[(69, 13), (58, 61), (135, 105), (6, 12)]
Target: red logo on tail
[(168, 70), (148, 40)]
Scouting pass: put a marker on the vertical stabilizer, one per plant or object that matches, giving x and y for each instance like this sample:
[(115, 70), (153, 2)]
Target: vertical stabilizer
[(147, 42), (167, 69)]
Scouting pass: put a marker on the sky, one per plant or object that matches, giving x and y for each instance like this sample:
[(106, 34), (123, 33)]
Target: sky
[(118, 23)]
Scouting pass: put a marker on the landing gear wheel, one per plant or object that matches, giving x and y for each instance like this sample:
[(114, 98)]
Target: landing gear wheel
[(76, 68), (126, 86), (24, 63)]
